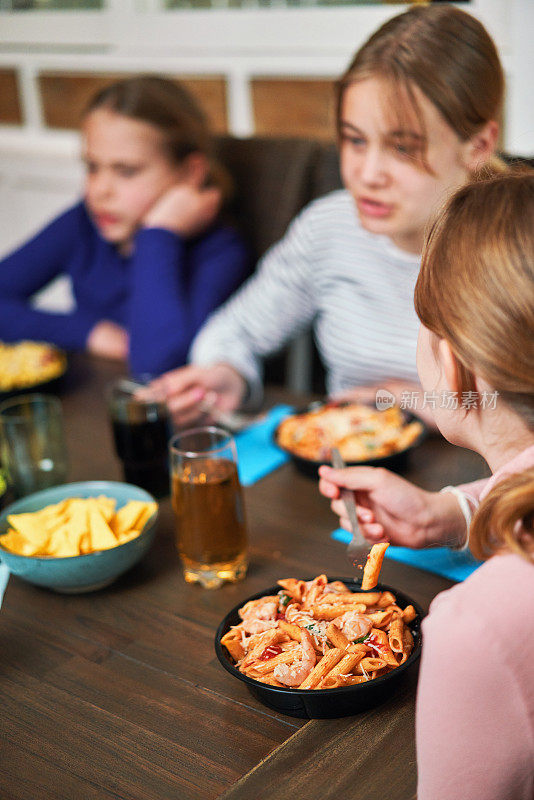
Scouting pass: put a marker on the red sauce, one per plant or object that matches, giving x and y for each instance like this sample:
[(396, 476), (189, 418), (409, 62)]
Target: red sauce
[(270, 652), (374, 643), (280, 615)]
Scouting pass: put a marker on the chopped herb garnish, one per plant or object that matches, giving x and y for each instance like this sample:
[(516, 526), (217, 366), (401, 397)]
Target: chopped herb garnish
[(361, 639), (313, 628), (284, 599)]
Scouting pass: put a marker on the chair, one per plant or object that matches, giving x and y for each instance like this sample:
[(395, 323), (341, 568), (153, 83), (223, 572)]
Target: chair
[(274, 179), (327, 177)]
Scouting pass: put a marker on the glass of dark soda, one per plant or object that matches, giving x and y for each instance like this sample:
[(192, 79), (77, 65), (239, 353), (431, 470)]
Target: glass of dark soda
[(141, 432)]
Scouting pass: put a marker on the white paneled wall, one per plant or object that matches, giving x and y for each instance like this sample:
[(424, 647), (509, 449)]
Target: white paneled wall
[(34, 188)]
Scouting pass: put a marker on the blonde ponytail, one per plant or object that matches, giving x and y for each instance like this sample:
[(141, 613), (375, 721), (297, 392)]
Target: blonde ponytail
[(505, 519)]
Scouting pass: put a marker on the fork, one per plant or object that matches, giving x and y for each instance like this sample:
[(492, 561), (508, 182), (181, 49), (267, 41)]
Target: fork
[(357, 541), (234, 421)]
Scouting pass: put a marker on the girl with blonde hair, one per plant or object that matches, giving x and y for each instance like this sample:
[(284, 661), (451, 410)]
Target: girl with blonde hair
[(475, 299)]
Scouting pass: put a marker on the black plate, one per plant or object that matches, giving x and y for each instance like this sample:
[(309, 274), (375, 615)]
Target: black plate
[(325, 703), (394, 461)]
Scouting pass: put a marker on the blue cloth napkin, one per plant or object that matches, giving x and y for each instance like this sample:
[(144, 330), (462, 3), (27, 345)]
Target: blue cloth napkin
[(257, 454), (451, 564)]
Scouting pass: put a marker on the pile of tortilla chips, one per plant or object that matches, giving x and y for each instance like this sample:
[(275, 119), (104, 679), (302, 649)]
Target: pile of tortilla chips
[(76, 526)]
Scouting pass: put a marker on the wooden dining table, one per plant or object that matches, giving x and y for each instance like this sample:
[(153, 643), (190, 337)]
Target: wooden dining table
[(119, 694)]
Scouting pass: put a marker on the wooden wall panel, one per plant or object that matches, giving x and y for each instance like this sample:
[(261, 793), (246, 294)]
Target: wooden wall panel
[(294, 107), (64, 96), (10, 107), (211, 94)]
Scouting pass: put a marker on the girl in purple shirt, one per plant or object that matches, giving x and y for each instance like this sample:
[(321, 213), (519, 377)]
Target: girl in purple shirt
[(147, 254), (475, 299)]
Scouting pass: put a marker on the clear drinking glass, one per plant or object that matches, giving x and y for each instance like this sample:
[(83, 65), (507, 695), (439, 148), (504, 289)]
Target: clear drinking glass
[(141, 432), (34, 454), (211, 534)]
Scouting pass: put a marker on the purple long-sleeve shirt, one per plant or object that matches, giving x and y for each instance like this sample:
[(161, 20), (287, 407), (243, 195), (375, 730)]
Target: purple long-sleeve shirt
[(161, 294)]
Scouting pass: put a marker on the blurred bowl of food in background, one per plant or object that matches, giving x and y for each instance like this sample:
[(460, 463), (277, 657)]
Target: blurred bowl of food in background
[(363, 434), (30, 366)]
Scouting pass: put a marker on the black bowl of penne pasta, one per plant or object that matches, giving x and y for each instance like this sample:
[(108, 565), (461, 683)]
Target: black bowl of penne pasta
[(363, 435), (335, 650)]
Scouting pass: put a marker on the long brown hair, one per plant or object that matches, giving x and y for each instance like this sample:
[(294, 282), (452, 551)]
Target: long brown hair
[(476, 290), (169, 107), (444, 52)]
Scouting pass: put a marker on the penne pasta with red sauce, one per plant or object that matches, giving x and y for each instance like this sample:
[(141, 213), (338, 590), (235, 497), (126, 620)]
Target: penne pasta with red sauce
[(303, 638)]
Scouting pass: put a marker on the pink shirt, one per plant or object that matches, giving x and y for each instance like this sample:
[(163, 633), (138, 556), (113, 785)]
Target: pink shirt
[(475, 702)]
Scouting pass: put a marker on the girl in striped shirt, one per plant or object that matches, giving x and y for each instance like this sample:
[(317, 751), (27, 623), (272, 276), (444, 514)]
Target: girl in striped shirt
[(416, 116)]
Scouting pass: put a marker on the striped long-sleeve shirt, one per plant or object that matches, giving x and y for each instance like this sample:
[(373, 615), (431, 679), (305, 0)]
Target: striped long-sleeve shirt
[(355, 288)]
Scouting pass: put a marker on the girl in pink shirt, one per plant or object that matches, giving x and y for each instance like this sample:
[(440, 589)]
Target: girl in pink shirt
[(475, 299)]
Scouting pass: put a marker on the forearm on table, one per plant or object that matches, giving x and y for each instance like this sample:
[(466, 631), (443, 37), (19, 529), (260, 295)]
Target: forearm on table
[(19, 321)]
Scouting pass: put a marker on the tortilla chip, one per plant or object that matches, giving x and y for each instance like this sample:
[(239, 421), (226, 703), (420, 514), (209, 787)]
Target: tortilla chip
[(127, 516), (56, 509), (106, 506), (148, 511), (32, 530), (63, 543), (78, 517), (101, 535), (85, 543), (16, 543), (127, 535), (76, 526), (51, 524)]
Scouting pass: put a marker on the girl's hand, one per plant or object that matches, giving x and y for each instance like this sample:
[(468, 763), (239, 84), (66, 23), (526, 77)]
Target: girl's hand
[(190, 391), (400, 390), (109, 340), (390, 509), (185, 209)]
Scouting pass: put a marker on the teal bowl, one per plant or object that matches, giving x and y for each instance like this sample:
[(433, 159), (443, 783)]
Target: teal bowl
[(85, 573)]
